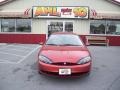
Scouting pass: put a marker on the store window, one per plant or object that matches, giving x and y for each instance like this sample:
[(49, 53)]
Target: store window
[(23, 25), (0, 25), (105, 27), (8, 25), (15, 25), (97, 27), (113, 27)]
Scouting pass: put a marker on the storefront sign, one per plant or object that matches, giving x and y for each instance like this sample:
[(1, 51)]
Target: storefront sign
[(60, 12)]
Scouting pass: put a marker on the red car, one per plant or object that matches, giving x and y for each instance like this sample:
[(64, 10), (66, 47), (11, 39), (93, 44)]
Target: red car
[(64, 54)]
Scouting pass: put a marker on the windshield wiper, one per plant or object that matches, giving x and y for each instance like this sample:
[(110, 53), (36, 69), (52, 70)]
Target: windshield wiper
[(53, 44), (70, 45)]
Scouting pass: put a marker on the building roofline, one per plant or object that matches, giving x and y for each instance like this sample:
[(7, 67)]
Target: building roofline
[(5, 1), (114, 2)]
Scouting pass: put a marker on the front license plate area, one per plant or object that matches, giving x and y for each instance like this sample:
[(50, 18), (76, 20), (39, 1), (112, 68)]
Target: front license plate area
[(64, 71)]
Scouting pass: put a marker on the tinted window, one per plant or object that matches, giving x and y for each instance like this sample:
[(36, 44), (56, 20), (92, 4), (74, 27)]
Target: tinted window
[(97, 27), (105, 27), (15, 25), (8, 25), (23, 25), (113, 27), (69, 26)]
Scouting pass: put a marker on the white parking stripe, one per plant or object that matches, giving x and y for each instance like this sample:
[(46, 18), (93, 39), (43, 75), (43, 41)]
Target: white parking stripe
[(11, 54), (5, 47), (6, 61), (18, 50), (22, 47), (28, 55)]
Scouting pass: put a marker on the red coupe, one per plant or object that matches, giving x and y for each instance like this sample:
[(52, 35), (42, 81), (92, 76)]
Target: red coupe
[(64, 54)]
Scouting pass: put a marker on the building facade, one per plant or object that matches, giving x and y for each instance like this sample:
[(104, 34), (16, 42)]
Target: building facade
[(32, 21)]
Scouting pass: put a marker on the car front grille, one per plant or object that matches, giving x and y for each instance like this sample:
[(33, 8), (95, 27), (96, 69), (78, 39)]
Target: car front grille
[(64, 64)]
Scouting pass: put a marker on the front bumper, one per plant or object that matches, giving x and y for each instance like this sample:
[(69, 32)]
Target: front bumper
[(54, 69)]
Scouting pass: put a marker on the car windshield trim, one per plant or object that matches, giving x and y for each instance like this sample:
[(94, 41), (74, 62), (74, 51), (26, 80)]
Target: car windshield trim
[(70, 45), (64, 44)]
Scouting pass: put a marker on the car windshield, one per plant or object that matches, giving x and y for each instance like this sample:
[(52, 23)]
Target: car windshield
[(68, 40)]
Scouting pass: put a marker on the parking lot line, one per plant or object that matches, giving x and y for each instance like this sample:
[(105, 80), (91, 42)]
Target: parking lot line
[(11, 54), (19, 50), (5, 47), (22, 47), (28, 55), (6, 61)]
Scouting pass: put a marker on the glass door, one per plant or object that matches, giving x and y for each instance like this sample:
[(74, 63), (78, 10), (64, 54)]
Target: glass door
[(68, 27), (61, 26), (55, 27)]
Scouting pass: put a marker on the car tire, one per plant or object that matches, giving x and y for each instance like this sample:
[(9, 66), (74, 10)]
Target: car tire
[(39, 72)]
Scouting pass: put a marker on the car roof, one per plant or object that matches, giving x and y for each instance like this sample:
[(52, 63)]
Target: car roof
[(67, 33)]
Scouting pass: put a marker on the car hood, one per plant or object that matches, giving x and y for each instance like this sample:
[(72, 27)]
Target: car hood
[(70, 54)]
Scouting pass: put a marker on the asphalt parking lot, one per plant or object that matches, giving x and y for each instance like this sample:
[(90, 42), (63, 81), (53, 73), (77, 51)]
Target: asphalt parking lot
[(18, 70), (15, 53)]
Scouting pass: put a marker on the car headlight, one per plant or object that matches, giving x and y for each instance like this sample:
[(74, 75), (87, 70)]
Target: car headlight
[(44, 59), (84, 60)]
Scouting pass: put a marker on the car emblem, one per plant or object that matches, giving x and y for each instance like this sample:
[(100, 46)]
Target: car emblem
[(65, 63)]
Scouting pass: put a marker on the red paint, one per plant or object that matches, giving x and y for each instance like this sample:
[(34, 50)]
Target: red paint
[(22, 38), (38, 38), (51, 58), (26, 12), (53, 69), (113, 40), (70, 54)]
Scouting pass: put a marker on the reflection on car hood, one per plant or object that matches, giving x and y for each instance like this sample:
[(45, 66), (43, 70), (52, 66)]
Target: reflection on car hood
[(64, 53)]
